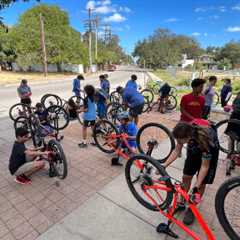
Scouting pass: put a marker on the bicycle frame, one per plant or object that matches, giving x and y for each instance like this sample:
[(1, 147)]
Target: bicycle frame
[(178, 191)]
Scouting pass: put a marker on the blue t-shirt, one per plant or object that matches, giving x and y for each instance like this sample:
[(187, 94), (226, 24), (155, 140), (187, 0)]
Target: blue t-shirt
[(132, 97), (105, 85), (131, 84), (76, 86), (131, 130), (225, 90), (89, 104)]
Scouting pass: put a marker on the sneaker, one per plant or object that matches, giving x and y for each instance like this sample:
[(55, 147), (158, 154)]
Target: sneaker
[(26, 178), (82, 145), (21, 180), (93, 144), (189, 217), (115, 162)]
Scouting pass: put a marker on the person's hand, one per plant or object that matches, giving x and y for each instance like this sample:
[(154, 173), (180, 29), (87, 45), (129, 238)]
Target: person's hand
[(124, 135), (195, 196)]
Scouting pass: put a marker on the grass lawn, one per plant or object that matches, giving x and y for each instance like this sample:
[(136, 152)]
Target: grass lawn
[(16, 77)]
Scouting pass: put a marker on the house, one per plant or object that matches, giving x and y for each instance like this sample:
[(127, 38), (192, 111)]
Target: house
[(207, 61), (186, 62)]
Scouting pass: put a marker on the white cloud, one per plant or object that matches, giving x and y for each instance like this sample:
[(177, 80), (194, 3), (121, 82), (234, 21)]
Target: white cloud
[(125, 9), (233, 29), (211, 8), (90, 5), (222, 9), (104, 9), (116, 17), (200, 9), (196, 34), (236, 7), (169, 20), (106, 2)]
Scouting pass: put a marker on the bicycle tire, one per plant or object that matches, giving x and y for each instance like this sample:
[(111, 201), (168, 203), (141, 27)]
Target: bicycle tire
[(57, 100), (220, 197), (115, 97), (55, 145), (216, 99), (173, 91), (98, 129), (10, 112), (54, 122), (218, 125), (173, 101), (147, 159), (167, 133), (149, 95)]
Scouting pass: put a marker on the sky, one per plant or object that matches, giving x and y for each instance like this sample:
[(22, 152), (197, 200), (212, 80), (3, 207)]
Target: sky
[(211, 22)]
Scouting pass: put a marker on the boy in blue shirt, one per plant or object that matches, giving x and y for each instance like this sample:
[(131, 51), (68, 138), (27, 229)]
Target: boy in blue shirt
[(132, 82), (89, 115), (134, 100), (101, 100), (226, 92), (77, 85), (104, 84), (130, 128)]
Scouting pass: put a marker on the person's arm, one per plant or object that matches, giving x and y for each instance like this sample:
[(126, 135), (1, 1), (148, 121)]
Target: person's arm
[(33, 153), (203, 170), (184, 112), (174, 155)]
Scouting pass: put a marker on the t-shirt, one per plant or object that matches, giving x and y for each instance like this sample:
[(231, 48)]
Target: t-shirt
[(192, 105), (76, 86), (165, 89), (209, 94), (43, 116), (18, 157), (105, 86), (131, 84), (131, 130), (24, 90), (89, 104), (132, 97), (226, 89)]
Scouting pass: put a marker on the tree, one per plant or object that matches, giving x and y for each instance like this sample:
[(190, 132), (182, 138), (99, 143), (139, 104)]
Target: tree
[(63, 43)]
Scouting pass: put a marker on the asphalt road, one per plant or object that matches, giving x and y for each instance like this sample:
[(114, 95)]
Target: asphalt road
[(63, 88)]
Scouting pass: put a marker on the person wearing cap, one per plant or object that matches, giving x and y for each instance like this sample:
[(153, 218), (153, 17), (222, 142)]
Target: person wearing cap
[(192, 104), (134, 100), (129, 127), (24, 92), (77, 85), (24, 161), (132, 82)]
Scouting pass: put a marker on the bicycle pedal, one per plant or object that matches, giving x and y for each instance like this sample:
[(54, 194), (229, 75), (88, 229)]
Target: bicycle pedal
[(164, 228)]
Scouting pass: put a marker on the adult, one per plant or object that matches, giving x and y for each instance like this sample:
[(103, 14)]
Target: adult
[(24, 161), (226, 92), (209, 95), (77, 85), (134, 100), (202, 157), (104, 84), (24, 92), (132, 82), (192, 104)]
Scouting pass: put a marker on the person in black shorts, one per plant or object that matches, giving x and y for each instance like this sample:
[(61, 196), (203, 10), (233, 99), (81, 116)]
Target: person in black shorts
[(24, 92), (164, 92), (24, 161), (202, 158)]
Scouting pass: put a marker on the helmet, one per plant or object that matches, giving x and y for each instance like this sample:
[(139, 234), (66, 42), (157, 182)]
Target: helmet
[(123, 115)]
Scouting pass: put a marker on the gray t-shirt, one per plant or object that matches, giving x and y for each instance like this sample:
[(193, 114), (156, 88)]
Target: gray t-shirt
[(209, 94)]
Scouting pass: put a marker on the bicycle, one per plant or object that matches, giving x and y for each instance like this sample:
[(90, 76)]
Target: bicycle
[(160, 192), (20, 109), (227, 207)]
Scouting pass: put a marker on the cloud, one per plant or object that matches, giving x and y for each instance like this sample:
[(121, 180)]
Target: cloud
[(215, 17), (125, 9), (170, 20), (106, 2), (200, 18), (211, 8), (233, 29), (236, 7), (90, 5), (196, 34), (104, 9), (205, 34), (127, 27), (116, 17)]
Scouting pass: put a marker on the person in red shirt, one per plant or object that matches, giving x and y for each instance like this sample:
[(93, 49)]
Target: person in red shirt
[(192, 104)]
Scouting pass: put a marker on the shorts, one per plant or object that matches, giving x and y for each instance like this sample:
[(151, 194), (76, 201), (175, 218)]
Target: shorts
[(26, 101), (89, 123), (137, 110), (193, 162), (25, 168), (206, 112)]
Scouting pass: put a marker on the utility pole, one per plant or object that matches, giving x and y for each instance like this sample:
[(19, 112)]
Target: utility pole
[(44, 53), (107, 34), (90, 38), (96, 23)]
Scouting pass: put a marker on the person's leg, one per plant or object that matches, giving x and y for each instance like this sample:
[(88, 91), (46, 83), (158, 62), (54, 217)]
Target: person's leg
[(84, 134), (187, 180), (136, 120), (38, 165)]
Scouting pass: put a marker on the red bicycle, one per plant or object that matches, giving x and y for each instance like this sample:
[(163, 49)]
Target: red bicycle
[(156, 190)]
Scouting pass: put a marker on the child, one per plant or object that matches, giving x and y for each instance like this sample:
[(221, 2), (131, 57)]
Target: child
[(24, 92), (130, 128), (209, 94), (226, 92), (101, 99), (23, 162), (202, 157), (77, 85), (89, 116), (163, 96), (72, 109)]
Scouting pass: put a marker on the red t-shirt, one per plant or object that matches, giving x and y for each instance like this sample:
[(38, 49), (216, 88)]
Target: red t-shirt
[(192, 105)]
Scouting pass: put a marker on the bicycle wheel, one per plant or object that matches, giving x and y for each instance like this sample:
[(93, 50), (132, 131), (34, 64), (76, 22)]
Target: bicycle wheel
[(148, 95), (173, 91), (78, 100), (59, 160), (113, 109), (171, 103), (103, 134), (156, 88), (115, 97), (18, 110), (49, 100), (228, 137), (155, 132), (142, 172), (216, 99), (58, 117), (227, 206)]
